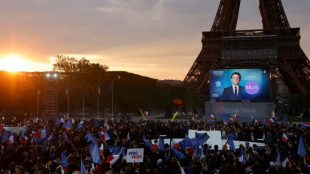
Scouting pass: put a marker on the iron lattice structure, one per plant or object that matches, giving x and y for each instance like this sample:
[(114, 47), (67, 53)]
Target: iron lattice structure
[(275, 47)]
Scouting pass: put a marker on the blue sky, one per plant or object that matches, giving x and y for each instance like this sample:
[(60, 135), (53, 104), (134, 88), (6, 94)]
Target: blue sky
[(156, 38)]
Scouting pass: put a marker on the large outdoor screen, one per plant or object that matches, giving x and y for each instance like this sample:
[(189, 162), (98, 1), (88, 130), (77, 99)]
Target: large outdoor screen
[(239, 84)]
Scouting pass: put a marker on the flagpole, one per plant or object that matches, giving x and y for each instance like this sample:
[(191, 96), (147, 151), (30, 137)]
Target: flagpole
[(68, 102), (170, 147), (112, 101), (38, 98), (68, 97), (98, 100), (52, 104), (83, 99)]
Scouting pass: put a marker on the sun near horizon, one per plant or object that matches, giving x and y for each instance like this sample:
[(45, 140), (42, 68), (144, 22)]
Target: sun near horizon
[(16, 63)]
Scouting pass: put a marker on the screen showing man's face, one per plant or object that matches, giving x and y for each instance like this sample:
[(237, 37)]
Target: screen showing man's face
[(235, 79)]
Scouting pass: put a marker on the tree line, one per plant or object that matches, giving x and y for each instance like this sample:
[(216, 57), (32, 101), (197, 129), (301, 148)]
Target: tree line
[(130, 91)]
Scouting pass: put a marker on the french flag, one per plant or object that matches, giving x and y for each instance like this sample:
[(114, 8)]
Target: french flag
[(175, 145), (105, 126), (128, 137), (101, 149), (231, 120), (284, 137), (257, 121), (211, 116), (33, 133), (112, 159), (101, 131), (283, 163), (241, 157), (101, 134), (23, 139), (11, 140), (36, 134), (271, 120), (226, 122), (39, 134)]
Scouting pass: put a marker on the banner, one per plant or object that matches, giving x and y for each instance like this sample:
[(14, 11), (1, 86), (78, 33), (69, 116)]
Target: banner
[(135, 155), (17, 130), (245, 110), (215, 136)]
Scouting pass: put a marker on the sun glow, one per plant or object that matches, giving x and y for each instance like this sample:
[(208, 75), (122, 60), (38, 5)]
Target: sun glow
[(14, 63)]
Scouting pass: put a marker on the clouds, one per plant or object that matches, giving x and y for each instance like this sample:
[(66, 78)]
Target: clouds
[(140, 36)]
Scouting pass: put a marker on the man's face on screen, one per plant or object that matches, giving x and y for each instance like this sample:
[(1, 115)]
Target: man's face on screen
[(235, 79)]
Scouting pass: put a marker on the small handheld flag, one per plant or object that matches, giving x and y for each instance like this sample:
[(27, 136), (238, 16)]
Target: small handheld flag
[(301, 148), (284, 137), (127, 137), (142, 113), (211, 116)]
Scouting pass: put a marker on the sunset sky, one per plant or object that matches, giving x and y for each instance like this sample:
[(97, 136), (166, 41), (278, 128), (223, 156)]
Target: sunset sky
[(155, 38)]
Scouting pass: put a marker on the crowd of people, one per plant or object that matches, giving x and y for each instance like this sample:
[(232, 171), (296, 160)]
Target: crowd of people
[(66, 145)]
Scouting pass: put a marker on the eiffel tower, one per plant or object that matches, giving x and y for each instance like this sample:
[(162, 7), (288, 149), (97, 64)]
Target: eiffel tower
[(275, 47)]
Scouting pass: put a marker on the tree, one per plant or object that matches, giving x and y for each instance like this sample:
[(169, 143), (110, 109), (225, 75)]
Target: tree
[(66, 64), (71, 64)]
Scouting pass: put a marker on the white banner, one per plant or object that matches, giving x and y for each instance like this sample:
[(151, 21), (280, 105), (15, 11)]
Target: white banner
[(17, 130), (135, 155), (215, 137)]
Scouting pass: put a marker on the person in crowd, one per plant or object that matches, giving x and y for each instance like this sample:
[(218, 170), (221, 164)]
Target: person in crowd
[(48, 144)]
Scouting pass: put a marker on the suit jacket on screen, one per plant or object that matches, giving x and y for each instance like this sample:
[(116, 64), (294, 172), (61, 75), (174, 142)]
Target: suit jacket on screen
[(228, 93)]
